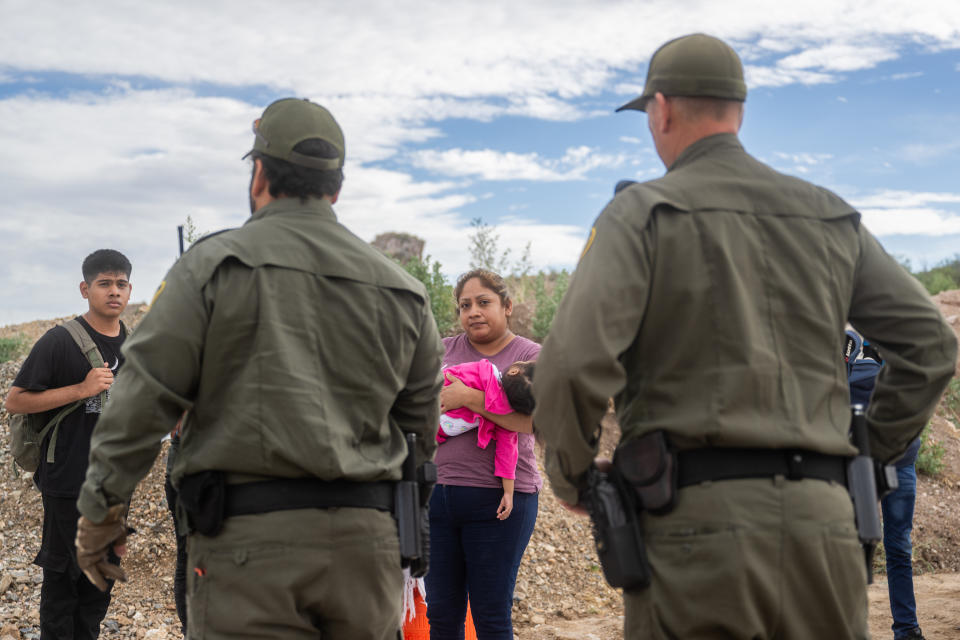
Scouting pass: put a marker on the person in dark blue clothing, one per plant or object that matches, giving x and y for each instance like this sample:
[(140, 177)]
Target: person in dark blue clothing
[(863, 365)]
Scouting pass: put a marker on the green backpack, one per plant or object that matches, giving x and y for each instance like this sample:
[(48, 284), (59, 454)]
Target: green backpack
[(27, 430)]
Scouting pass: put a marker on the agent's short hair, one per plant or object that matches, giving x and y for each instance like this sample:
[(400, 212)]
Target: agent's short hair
[(519, 387), (490, 280), (297, 181), (105, 261), (691, 109)]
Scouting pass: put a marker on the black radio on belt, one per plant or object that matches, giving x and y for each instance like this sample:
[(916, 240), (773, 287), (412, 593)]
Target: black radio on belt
[(862, 485)]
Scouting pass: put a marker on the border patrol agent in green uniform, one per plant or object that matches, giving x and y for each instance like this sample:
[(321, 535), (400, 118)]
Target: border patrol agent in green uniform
[(303, 355), (710, 303)]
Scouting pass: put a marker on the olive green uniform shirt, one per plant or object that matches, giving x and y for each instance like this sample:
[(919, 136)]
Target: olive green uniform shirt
[(298, 349), (711, 303)]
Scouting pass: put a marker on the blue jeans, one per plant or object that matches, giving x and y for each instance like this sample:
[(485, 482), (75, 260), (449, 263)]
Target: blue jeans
[(897, 524), (472, 553)]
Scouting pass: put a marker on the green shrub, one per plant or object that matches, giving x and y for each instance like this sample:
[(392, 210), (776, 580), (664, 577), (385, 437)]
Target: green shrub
[(944, 276), (930, 458), (13, 347), (441, 294), (936, 281), (951, 397), (547, 302)]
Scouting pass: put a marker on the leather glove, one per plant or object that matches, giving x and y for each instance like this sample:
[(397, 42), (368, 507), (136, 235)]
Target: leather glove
[(95, 540)]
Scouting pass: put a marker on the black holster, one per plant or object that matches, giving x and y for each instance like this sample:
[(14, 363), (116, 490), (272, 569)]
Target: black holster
[(616, 530), (201, 501), (862, 485), (412, 511)]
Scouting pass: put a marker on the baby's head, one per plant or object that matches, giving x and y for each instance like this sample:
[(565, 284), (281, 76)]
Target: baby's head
[(517, 384)]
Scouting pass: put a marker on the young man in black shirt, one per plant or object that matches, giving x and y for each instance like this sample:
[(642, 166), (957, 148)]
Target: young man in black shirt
[(55, 374)]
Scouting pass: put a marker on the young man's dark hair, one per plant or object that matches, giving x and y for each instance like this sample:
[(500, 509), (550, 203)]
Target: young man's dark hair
[(517, 384), (105, 261), (296, 181)]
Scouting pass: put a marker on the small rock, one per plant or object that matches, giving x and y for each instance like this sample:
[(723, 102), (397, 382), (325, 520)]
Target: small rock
[(159, 633)]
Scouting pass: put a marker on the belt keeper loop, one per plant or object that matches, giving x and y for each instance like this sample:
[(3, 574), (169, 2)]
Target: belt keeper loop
[(795, 465)]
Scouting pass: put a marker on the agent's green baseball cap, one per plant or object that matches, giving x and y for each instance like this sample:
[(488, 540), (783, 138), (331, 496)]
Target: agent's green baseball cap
[(290, 121), (693, 65)]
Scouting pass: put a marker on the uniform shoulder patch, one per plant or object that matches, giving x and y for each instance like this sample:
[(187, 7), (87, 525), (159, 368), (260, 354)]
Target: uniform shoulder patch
[(593, 234), (163, 285)]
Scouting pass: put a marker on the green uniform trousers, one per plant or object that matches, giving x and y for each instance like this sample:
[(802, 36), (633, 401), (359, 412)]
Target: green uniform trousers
[(757, 559), (305, 573)]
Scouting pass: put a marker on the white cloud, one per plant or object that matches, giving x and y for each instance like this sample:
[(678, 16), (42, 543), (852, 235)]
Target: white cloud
[(911, 221), (903, 199), (628, 89), (433, 48), (126, 162), (488, 164), (809, 159), (839, 57), (757, 77), (921, 153), (907, 75), (892, 212), (123, 170), (799, 163)]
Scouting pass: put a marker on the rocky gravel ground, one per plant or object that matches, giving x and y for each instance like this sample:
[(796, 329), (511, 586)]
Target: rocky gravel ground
[(560, 590)]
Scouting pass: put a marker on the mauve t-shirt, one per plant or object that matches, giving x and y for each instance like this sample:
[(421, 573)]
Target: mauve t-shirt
[(459, 460)]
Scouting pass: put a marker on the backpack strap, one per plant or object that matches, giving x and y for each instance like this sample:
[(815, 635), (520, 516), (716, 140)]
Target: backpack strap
[(92, 353), (53, 424)]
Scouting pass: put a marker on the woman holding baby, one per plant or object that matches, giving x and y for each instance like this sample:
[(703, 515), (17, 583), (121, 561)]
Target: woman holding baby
[(472, 550)]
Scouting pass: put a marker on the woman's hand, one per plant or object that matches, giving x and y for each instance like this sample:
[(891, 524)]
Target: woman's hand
[(506, 506), (456, 395)]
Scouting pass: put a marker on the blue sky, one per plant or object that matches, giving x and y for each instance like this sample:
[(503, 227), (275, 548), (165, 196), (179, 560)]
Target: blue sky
[(120, 121)]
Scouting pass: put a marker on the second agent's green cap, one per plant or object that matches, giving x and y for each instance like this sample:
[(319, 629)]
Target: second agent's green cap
[(290, 121), (694, 65)]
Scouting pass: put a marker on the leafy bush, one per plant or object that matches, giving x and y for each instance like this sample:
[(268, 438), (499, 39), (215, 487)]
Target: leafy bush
[(951, 398), (13, 347), (936, 281), (930, 458), (441, 294), (547, 302), (943, 277)]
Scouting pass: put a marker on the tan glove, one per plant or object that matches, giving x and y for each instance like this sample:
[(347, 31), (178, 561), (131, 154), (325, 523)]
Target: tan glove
[(95, 540)]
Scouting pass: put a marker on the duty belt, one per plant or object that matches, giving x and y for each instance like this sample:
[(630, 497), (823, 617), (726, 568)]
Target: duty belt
[(306, 493), (707, 465)]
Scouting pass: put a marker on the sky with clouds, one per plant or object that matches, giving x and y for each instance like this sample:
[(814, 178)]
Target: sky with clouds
[(118, 120)]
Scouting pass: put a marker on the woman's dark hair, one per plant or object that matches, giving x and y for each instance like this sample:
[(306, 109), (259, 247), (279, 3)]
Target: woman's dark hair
[(519, 387), (104, 261), (490, 280), (296, 181)]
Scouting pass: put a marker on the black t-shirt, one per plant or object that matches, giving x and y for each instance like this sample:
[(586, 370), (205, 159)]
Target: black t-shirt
[(56, 361)]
